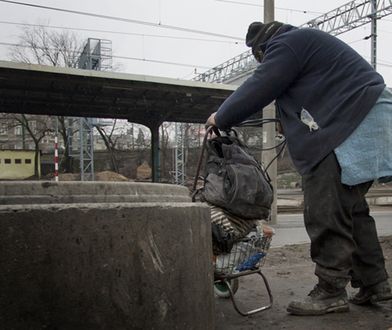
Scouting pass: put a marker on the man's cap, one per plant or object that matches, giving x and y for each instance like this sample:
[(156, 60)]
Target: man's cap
[(261, 31)]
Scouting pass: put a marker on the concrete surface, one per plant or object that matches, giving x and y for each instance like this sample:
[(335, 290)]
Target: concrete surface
[(49, 192), (105, 265)]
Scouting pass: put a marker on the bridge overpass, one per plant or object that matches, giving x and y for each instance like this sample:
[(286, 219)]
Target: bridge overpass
[(147, 100)]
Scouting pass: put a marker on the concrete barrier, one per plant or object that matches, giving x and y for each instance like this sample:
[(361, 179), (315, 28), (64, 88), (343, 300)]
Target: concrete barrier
[(49, 192), (105, 265)]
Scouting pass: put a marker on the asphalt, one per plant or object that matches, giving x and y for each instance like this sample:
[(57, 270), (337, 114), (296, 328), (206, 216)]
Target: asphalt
[(291, 200), (290, 227)]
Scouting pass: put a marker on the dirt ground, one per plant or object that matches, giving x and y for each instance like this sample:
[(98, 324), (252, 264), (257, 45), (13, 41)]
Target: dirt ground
[(289, 271), (99, 176)]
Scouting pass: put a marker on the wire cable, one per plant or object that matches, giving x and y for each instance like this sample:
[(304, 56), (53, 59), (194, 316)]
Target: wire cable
[(283, 144), (118, 32), (121, 19), (260, 123), (115, 56), (279, 8)]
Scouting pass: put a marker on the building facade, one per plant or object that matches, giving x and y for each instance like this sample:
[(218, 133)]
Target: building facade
[(17, 164)]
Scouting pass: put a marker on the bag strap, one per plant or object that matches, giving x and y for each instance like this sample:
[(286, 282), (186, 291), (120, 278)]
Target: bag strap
[(209, 131)]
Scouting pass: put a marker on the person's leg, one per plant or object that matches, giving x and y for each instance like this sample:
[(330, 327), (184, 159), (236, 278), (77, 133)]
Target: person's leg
[(344, 242), (328, 221), (368, 266), (368, 269), (341, 223)]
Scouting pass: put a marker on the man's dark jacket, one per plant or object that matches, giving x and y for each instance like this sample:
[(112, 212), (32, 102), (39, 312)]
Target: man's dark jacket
[(312, 70)]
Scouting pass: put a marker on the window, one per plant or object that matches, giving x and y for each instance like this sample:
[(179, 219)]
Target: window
[(3, 129), (27, 161), (33, 126), (18, 161), (18, 130), (7, 161)]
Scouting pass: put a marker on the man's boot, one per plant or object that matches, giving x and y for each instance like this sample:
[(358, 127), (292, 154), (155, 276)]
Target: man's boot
[(372, 294), (320, 301)]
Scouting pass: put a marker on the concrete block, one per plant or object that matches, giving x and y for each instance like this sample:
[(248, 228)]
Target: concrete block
[(106, 266), (46, 192)]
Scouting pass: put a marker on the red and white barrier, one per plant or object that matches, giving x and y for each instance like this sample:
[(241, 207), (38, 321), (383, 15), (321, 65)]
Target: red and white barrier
[(56, 159)]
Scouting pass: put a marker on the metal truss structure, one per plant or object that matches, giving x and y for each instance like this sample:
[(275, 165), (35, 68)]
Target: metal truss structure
[(342, 19), (179, 161), (86, 148), (232, 68), (351, 15), (96, 55)]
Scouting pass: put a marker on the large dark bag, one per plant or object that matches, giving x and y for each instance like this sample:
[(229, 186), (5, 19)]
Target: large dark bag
[(234, 180)]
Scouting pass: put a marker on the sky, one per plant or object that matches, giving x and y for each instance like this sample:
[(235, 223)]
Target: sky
[(159, 37)]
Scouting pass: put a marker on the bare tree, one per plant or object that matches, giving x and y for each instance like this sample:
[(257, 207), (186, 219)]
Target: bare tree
[(42, 46), (66, 130), (110, 141), (164, 146), (39, 45)]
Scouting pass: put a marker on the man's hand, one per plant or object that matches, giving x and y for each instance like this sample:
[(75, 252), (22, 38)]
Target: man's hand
[(211, 120)]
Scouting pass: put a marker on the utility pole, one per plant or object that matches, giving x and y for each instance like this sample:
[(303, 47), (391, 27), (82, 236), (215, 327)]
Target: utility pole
[(373, 35), (269, 129), (269, 11)]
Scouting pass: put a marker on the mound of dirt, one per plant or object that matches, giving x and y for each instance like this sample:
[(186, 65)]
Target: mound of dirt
[(109, 176), (69, 177), (99, 176)]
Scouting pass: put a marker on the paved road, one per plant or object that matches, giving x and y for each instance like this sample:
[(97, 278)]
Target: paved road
[(290, 228)]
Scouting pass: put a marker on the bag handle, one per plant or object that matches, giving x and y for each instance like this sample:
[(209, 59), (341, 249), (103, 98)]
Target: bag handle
[(209, 131)]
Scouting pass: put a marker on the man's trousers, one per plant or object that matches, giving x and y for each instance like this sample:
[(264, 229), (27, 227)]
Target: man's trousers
[(344, 242)]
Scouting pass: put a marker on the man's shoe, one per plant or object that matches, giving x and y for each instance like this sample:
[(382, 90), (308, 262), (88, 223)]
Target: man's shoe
[(320, 302), (372, 294)]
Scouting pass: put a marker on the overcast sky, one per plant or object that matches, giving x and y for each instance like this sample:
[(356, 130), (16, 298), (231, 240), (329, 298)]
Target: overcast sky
[(178, 52)]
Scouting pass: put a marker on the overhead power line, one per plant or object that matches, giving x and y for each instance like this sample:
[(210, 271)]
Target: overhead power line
[(161, 62), (278, 8), (118, 32), (114, 56), (121, 19)]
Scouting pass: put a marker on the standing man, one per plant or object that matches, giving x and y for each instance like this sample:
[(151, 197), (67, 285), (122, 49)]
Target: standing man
[(336, 114)]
